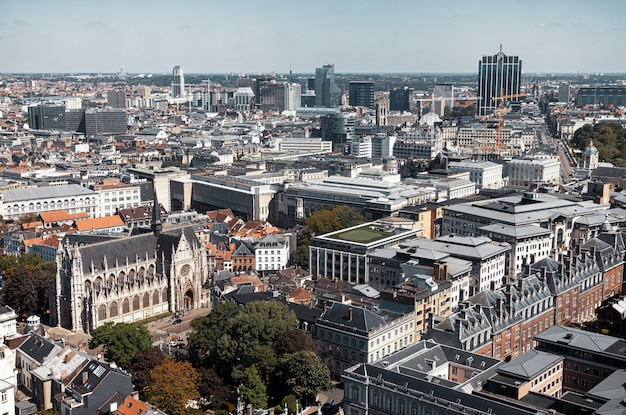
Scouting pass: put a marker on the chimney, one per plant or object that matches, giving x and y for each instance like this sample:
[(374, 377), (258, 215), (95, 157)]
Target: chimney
[(444, 272), (544, 272), (501, 307), (350, 314), (510, 298), (270, 411), (249, 409), (85, 377)]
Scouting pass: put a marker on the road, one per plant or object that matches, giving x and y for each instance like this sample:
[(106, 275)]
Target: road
[(165, 330)]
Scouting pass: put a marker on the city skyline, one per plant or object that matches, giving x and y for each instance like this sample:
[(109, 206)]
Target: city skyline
[(357, 37)]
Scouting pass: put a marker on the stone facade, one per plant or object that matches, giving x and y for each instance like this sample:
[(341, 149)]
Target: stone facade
[(128, 279)]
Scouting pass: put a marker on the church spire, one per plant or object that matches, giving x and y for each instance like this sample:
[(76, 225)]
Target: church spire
[(156, 225)]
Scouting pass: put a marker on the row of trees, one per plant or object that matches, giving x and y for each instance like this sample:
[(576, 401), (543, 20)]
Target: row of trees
[(324, 220), (608, 138), (26, 282)]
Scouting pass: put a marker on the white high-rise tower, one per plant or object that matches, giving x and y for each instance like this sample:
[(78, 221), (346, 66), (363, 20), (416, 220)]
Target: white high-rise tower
[(178, 83)]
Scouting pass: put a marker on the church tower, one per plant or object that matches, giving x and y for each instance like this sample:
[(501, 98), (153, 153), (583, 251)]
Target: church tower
[(156, 225)]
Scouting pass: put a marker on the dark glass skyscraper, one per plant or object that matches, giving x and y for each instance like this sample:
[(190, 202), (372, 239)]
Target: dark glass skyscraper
[(361, 94), (327, 93), (498, 75), (47, 117)]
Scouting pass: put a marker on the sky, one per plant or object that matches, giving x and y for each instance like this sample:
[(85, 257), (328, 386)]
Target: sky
[(357, 36)]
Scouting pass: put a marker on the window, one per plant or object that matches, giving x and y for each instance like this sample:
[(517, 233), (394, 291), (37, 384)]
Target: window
[(4, 396)]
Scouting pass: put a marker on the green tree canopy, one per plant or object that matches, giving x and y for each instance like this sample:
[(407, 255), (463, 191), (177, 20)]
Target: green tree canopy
[(251, 387), (608, 138), (172, 384), (212, 387), (121, 341), (304, 375), (27, 280), (231, 337)]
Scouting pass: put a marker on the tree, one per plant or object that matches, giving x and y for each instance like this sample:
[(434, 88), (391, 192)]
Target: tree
[(349, 216), (304, 375), (121, 341), (27, 283), (212, 387), (608, 138), (251, 386), (172, 384), (322, 221), (294, 340), (141, 367), (209, 334)]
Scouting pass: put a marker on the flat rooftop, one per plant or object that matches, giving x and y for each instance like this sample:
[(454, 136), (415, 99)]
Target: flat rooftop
[(364, 234)]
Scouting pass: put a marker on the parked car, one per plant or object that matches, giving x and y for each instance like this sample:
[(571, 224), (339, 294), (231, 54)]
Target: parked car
[(178, 321), (172, 344)]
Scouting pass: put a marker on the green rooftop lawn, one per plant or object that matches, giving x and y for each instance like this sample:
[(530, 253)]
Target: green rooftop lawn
[(363, 235)]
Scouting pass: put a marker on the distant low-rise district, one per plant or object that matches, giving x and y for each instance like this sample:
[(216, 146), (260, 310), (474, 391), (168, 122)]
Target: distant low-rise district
[(313, 243)]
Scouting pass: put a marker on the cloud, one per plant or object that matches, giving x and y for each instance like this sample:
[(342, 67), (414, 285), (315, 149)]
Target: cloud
[(3, 23), (577, 24), (465, 15), (96, 25), (548, 25), (20, 22), (185, 27)]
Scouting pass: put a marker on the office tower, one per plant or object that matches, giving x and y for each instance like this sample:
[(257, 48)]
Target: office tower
[(47, 117), (292, 97), (564, 93), (400, 99), (116, 99), (178, 83), (327, 93), (498, 75), (601, 95), (361, 94), (105, 121), (75, 120)]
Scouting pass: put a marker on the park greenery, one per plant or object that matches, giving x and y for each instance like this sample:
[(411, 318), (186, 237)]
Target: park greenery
[(121, 341), (259, 351), (608, 138), (26, 283), (324, 220)]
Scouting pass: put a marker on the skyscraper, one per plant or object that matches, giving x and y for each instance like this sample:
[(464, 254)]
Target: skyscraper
[(498, 75), (327, 93), (400, 99), (178, 83), (361, 94)]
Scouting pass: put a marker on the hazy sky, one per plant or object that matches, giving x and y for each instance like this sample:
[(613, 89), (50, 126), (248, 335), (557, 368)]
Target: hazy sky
[(252, 36)]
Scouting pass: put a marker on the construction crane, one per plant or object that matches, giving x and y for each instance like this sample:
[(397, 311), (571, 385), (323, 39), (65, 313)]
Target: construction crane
[(500, 111)]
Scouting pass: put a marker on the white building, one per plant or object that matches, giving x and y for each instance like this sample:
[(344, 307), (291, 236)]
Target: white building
[(244, 99), (351, 334), (8, 325), (71, 197), (486, 174), (292, 97), (272, 253), (526, 172), (382, 145), (311, 144), (361, 147), (119, 196), (529, 243)]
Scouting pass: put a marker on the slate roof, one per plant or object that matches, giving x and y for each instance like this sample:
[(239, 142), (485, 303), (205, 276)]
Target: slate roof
[(119, 249), (38, 347), (362, 318), (46, 192), (583, 340), (530, 364)]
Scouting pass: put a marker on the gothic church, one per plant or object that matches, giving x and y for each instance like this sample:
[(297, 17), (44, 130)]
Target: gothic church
[(127, 279)]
